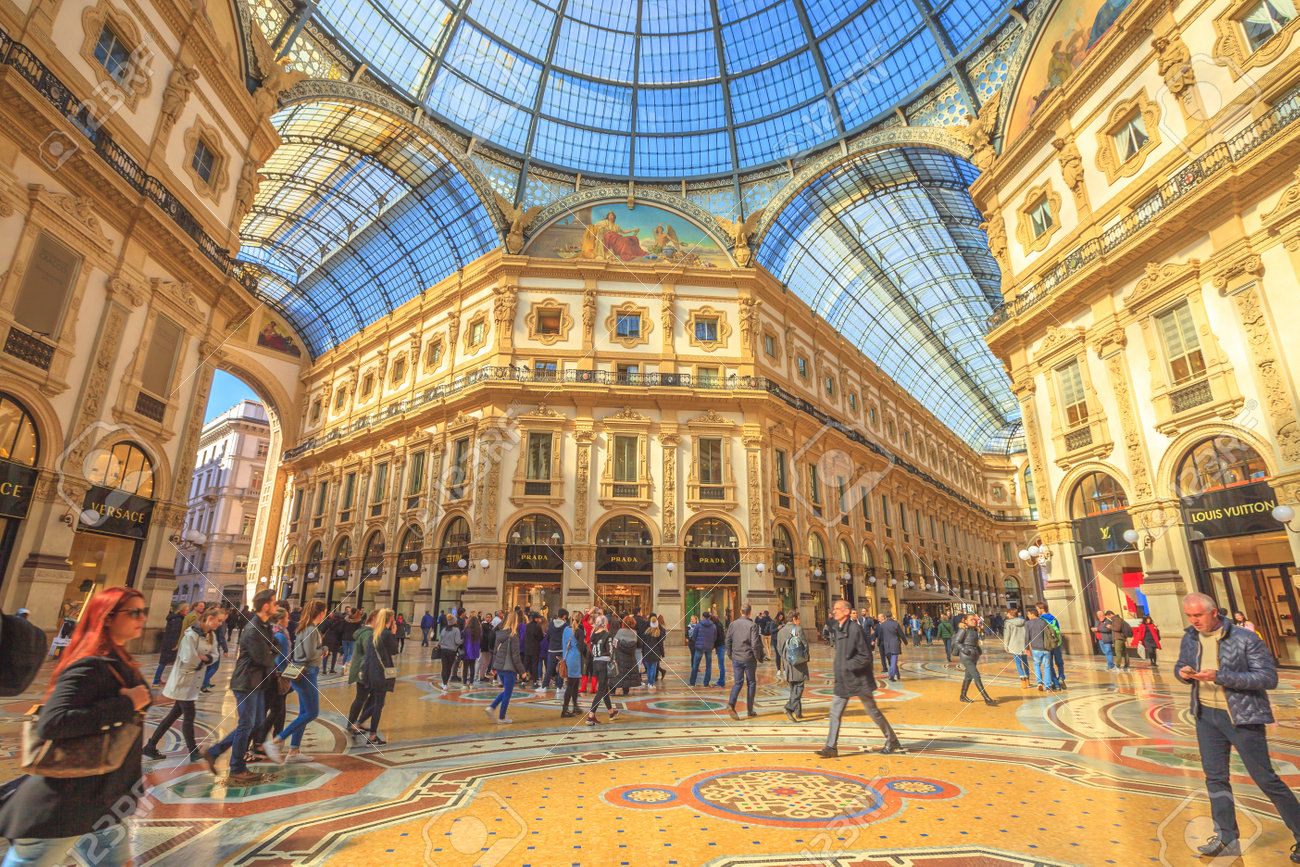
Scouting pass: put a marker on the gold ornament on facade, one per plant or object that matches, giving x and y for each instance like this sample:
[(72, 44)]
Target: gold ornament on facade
[(274, 72), (246, 188), (1158, 280), (1058, 337), (518, 219), (669, 506), (740, 232), (749, 323), (979, 131), (1109, 160), (1277, 399), (1030, 243), (1287, 202), (589, 313)]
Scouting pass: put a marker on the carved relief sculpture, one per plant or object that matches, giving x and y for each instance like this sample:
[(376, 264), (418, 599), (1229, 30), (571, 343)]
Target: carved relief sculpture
[(1071, 162), (581, 484), (176, 94), (1277, 401), (589, 313), (246, 188), (979, 132), (518, 219), (749, 323), (1173, 62), (740, 231), (997, 232), (274, 72), (669, 442)]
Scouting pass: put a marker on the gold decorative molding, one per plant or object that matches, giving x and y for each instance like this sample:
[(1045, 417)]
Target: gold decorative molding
[(1057, 338), (1071, 163), (1231, 47), (220, 179), (531, 320), (1287, 203), (1274, 391), (669, 443), (505, 300), (625, 309), (1129, 426), (724, 329), (979, 132), (1161, 283), (478, 318), (138, 82), (1174, 62), (1237, 273), (749, 323), (1025, 225), (1108, 158)]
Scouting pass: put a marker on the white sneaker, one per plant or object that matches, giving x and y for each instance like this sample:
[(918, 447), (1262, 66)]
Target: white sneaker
[(272, 747), (297, 758), (541, 690), (489, 710), (442, 686), (505, 721)]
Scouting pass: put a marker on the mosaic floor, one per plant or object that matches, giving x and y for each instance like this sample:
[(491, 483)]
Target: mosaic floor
[(1106, 773)]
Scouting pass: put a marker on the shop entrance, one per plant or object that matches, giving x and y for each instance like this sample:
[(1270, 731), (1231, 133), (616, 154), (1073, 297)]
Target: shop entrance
[(1267, 596), (538, 596), (701, 598), (623, 598)]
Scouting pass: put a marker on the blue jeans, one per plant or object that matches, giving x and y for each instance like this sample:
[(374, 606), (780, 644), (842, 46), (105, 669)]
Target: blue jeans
[(109, 847), (1108, 648), (252, 710), (507, 687), (1043, 667), (308, 705), (743, 672), (651, 672), (929, 636), (1022, 665), (893, 666), (212, 669), (1058, 665), (696, 656), (157, 675), (1216, 736), (347, 651), (722, 671)]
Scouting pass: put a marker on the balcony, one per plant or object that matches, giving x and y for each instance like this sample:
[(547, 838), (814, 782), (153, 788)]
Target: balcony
[(29, 348)]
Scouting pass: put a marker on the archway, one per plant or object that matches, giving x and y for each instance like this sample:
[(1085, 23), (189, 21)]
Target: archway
[(341, 566), (535, 563), (712, 567), (20, 453), (452, 578), (406, 588), (624, 564), (783, 580)]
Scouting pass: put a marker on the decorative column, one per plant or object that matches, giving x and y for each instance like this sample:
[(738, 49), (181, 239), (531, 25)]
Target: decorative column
[(583, 435), (669, 440), (579, 587), (670, 585)]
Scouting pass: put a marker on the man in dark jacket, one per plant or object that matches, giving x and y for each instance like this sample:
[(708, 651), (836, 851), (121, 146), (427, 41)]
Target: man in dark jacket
[(426, 624), (256, 661), (1121, 632), (1231, 670), (554, 644), (1105, 638), (720, 648), (890, 638), (705, 635), (853, 677), (745, 647), (532, 646), (171, 640)]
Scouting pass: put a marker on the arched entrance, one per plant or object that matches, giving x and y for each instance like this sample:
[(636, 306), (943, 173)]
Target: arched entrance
[(288, 577), (20, 451), (817, 582), (341, 566), (535, 563), (1110, 567), (624, 564), (712, 567), (453, 566), (409, 563), (315, 554), (844, 573), (783, 553)]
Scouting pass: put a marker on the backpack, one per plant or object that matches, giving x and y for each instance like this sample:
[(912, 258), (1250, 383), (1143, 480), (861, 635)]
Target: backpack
[(22, 647), (796, 649), (1051, 636)]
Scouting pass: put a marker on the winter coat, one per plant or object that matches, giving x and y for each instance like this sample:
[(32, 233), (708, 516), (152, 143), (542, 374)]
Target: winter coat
[(629, 673), (1014, 636), (379, 654), (555, 635), (427, 621), (348, 631), (186, 676), (889, 637), (307, 648), (505, 653), (743, 642), (473, 648), (652, 648), (362, 637), (86, 700), (706, 633), (794, 673), (171, 637), (533, 636), (489, 641), (450, 641), (853, 674), (868, 626), (945, 629), (968, 644), (1246, 672), (256, 656), (571, 647), (720, 639), (602, 646), (1148, 635), (331, 631)]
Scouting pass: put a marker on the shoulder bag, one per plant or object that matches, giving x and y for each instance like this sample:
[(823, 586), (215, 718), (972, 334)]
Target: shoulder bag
[(296, 666), (85, 756)]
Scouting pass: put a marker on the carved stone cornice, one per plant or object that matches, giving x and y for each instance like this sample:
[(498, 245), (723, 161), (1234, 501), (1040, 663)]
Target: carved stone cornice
[(1287, 205), (1159, 279), (1249, 265)]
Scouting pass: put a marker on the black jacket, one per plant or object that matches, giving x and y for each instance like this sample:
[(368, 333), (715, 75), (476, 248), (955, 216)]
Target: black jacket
[(171, 637), (968, 644), (257, 649), (652, 648), (331, 633), (889, 637), (379, 654), (533, 636), (853, 674), (86, 700)]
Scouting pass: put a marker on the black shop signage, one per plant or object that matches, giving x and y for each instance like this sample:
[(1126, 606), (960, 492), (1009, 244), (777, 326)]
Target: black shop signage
[(1102, 533), (1236, 511), (535, 558), (113, 512), (712, 560), (449, 559), (629, 559), (16, 484)]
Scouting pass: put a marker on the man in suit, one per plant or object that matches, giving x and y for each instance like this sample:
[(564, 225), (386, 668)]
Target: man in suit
[(890, 638)]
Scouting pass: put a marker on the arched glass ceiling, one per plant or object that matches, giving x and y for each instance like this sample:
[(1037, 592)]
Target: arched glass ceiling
[(887, 249), (357, 215), (660, 88)]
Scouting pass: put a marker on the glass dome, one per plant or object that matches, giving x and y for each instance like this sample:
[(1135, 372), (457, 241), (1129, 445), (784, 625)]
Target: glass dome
[(660, 88)]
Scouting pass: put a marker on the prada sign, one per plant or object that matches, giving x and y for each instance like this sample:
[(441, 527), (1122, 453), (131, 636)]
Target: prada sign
[(1236, 511), (116, 513), (629, 559), (712, 560), (535, 558), (17, 482), (1102, 533)]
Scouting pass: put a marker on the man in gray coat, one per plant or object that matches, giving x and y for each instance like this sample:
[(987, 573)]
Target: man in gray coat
[(745, 648), (796, 674), (853, 677)]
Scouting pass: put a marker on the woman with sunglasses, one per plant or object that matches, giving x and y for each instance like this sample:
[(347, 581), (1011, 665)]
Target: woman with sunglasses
[(96, 685)]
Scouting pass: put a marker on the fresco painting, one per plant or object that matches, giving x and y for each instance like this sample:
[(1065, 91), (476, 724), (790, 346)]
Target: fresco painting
[(617, 233)]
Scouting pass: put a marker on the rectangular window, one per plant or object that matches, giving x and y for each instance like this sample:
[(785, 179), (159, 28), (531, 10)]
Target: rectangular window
[(113, 54), (459, 467), (1182, 344), (263, 447), (1007, 557), (367, 385), (853, 402), (706, 329), (871, 414), (339, 397), (379, 485), (933, 534), (322, 493), (1265, 19), (1073, 397), (1040, 217), (349, 491), (161, 360), (315, 410), (884, 509), (769, 345), (902, 517), (477, 332), (782, 479), (255, 480), (51, 272), (628, 325), (830, 386), (710, 461), (814, 485), (548, 321), (434, 356), (415, 478), (625, 459), (297, 504), (539, 457), (1132, 136), (841, 495), (544, 371), (203, 161), (920, 527), (627, 373), (866, 508), (707, 377), (801, 364)]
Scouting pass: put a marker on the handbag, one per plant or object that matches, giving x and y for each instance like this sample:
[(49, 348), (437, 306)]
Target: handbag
[(390, 672), (85, 756), (283, 685)]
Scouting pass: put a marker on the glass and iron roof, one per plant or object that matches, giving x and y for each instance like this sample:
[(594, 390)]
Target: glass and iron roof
[(887, 249), (659, 88)]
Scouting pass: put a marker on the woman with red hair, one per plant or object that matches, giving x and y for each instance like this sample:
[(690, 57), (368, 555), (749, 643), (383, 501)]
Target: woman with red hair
[(95, 686)]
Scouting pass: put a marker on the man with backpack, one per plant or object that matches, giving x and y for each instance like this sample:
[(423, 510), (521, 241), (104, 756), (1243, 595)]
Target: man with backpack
[(791, 653), (1057, 654)]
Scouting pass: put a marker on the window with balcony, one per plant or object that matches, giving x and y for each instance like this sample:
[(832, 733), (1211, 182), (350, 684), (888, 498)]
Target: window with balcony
[(627, 374), (545, 371), (782, 478), (537, 470), (255, 481), (1073, 398), (459, 468), (378, 489), (1131, 137), (348, 494), (415, 480), (710, 468), (626, 460), (1182, 344), (1040, 217), (1265, 19), (707, 377)]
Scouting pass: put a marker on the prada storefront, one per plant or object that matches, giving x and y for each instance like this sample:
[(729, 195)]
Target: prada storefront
[(712, 568), (452, 576), (535, 564), (1243, 558), (624, 565)]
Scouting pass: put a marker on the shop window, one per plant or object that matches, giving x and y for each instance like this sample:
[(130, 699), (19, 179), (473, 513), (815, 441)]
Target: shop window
[(1182, 344), (47, 285), (1073, 399), (1219, 463), (1265, 19), (18, 439), (126, 467), (1040, 216), (1096, 494)]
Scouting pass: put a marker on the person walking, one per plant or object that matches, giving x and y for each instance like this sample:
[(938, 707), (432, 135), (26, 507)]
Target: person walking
[(171, 640), (969, 651), (889, 635), (573, 648), (853, 678), (379, 672), (1146, 635), (1037, 630), (222, 647), (255, 661), (507, 662), (626, 645), (1230, 670), (348, 634), (531, 648), (946, 632), (702, 649), (927, 628), (96, 683), (361, 698), (486, 646), (652, 649), (402, 631), (554, 647), (193, 616), (745, 648), (307, 653), (426, 625), (719, 647), (331, 638), (472, 649), (196, 649), (450, 642), (790, 647), (602, 653), (275, 688), (1105, 638), (1016, 642), (1122, 632)]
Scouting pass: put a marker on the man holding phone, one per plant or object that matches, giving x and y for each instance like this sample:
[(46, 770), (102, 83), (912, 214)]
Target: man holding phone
[(1230, 670)]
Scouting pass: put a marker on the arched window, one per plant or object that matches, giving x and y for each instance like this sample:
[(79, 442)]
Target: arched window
[(19, 441), (868, 558), (291, 557), (711, 533), (1031, 494), (1218, 463), (412, 541), (314, 554), (889, 561), (126, 467), (536, 530), (457, 533), (624, 531), (816, 549), (343, 553), (1096, 494), (846, 556), (375, 546), (783, 551)]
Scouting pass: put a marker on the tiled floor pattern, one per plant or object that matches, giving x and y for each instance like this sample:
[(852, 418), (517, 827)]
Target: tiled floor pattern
[(1106, 773)]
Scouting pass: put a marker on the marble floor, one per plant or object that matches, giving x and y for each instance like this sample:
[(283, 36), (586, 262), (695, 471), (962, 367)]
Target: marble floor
[(1104, 773)]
